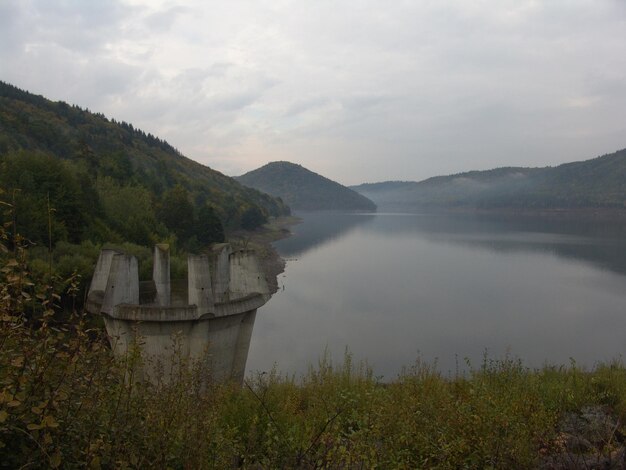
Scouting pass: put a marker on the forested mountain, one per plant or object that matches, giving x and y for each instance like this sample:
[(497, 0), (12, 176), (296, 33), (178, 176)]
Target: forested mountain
[(303, 189), (72, 181), (600, 182), (108, 181)]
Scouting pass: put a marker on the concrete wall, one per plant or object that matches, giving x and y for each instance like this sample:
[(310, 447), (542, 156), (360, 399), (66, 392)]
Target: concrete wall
[(103, 268), (222, 343), (220, 271), (199, 283), (214, 326), (161, 273), (245, 275), (122, 284)]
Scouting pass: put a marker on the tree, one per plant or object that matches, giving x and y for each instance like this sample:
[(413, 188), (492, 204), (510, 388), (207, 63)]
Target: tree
[(38, 183), (208, 228), (176, 212), (252, 218)]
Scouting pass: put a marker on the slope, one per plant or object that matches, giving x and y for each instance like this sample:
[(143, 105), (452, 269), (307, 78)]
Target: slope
[(108, 157), (303, 189), (595, 183)]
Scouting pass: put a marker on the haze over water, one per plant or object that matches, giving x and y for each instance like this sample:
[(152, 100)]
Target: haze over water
[(395, 287)]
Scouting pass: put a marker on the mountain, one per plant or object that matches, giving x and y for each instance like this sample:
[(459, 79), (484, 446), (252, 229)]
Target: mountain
[(595, 183), (109, 181), (303, 189)]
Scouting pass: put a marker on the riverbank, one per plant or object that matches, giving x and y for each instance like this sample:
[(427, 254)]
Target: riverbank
[(261, 239)]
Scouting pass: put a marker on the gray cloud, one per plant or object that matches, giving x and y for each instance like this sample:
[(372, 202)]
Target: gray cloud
[(359, 91)]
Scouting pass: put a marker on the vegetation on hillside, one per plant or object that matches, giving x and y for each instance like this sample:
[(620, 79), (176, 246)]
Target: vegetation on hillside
[(600, 182), (66, 402), (74, 181), (302, 189)]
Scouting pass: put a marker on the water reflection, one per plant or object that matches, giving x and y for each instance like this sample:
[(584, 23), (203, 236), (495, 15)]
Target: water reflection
[(318, 228), (393, 286), (602, 243)]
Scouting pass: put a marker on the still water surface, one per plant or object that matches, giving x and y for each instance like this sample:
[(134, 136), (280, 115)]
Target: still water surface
[(395, 287)]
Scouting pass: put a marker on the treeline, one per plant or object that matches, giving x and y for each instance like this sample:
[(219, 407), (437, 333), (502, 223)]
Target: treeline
[(52, 201)]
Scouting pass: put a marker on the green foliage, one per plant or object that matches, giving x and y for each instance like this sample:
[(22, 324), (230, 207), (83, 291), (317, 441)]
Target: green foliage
[(208, 228), (177, 212), (252, 218), (303, 189), (38, 184), (96, 148), (129, 211)]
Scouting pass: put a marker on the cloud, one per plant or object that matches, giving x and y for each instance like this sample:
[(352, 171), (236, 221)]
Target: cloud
[(354, 90)]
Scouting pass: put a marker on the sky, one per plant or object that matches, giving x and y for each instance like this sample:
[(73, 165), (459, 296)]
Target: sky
[(359, 91)]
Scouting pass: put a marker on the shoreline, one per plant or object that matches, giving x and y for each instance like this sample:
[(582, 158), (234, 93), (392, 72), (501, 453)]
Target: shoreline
[(586, 213), (609, 214)]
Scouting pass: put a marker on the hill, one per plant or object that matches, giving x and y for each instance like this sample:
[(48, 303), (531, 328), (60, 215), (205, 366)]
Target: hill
[(303, 189), (595, 183), (121, 184)]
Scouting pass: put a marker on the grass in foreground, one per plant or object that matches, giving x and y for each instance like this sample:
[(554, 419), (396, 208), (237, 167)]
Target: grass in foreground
[(65, 402)]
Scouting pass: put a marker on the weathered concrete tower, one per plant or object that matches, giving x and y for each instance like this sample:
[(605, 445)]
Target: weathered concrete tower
[(213, 317)]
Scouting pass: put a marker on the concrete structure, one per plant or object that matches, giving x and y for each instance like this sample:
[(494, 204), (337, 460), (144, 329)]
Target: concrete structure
[(211, 320)]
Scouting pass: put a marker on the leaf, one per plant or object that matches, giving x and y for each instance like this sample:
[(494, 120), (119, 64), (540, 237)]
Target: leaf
[(18, 361), (3, 416), (50, 422), (33, 426), (14, 403), (55, 459), (95, 462)]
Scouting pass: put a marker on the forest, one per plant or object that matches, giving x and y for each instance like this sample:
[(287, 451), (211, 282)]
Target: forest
[(73, 181)]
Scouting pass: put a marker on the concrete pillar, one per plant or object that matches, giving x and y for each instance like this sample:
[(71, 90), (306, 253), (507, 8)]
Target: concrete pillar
[(161, 273), (220, 271), (246, 276), (242, 346), (123, 283), (101, 274), (199, 282)]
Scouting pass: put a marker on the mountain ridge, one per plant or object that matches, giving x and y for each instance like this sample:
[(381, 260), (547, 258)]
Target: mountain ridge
[(304, 189), (595, 183)]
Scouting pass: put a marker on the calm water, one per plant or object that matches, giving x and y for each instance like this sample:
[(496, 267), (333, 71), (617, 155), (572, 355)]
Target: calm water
[(395, 287)]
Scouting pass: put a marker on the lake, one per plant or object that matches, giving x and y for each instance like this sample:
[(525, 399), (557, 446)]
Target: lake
[(447, 288)]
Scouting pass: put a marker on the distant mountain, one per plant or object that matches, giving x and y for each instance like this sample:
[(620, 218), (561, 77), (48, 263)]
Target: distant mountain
[(600, 182), (109, 181), (302, 189)]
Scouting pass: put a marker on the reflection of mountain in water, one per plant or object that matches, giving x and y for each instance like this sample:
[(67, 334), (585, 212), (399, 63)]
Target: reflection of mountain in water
[(601, 243), (318, 228)]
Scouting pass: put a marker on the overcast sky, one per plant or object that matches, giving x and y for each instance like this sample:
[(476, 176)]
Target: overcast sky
[(359, 91)]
